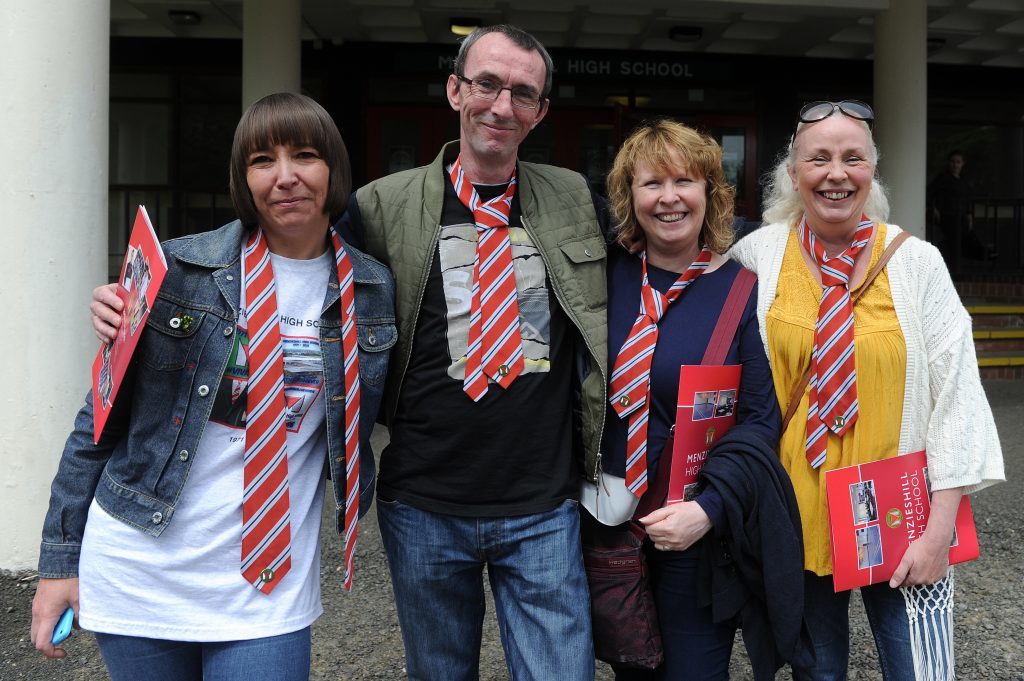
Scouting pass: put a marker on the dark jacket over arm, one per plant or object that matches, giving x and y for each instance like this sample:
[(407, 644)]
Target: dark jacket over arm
[(753, 566)]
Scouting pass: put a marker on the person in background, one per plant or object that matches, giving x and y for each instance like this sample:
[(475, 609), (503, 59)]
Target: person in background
[(825, 214), (949, 206)]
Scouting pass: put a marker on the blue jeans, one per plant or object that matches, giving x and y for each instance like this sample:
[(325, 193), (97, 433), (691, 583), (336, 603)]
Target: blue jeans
[(274, 658), (827, 614), (535, 567), (696, 649)]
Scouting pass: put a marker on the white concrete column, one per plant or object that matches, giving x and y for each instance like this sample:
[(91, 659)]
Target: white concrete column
[(55, 79), (271, 48), (901, 108)]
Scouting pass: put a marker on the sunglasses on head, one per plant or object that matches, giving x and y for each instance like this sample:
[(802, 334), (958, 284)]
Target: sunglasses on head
[(813, 112)]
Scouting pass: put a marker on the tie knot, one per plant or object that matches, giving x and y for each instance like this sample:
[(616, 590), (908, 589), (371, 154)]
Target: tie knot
[(837, 271), (654, 303)]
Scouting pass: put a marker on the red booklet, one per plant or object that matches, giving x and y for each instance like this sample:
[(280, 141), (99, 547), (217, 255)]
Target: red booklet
[(142, 272), (876, 510), (705, 410)]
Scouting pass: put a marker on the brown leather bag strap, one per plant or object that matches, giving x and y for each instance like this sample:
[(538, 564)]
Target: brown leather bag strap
[(880, 265), (794, 398)]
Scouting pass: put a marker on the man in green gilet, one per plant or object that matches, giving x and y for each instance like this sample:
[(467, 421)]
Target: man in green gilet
[(469, 479)]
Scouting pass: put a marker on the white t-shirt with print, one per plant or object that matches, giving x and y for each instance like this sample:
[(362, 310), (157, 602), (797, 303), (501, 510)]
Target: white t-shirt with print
[(186, 584)]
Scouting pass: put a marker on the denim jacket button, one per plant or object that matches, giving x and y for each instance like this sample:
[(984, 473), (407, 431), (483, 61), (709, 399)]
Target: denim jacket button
[(175, 322), (203, 391), (230, 277), (158, 518), (371, 338), (183, 455), (228, 330)]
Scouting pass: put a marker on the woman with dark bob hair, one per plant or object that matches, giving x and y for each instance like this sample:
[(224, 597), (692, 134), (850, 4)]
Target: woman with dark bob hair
[(667, 192), (187, 538)]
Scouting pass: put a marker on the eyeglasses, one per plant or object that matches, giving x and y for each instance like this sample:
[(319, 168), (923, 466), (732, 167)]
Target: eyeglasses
[(813, 112), (484, 88)]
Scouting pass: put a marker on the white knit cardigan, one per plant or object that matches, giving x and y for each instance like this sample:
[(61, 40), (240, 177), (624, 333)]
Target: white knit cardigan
[(945, 411)]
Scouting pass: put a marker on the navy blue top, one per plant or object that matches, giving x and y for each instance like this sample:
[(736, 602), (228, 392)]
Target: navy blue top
[(684, 333)]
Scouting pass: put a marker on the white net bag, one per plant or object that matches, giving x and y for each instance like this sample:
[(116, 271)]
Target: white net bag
[(930, 613)]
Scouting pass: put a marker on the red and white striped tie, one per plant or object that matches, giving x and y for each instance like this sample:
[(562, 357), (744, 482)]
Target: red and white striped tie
[(350, 349), (266, 528), (631, 376), (266, 525), (832, 401), (495, 344)]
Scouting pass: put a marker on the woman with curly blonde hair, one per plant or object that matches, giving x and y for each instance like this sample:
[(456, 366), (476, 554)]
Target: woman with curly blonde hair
[(667, 193), (666, 144)]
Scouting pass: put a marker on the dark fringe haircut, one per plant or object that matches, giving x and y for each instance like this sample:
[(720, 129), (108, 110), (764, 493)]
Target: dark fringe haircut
[(297, 120)]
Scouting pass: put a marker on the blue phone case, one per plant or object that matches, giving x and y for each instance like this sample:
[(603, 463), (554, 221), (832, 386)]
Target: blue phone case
[(63, 628)]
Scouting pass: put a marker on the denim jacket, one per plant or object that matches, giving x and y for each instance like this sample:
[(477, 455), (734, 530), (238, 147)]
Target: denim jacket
[(137, 471)]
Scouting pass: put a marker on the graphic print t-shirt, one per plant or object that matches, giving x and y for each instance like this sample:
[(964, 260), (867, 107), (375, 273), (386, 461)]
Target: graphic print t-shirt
[(186, 584), (511, 452)]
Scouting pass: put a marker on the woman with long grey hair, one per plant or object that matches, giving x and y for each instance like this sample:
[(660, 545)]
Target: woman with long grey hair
[(826, 216)]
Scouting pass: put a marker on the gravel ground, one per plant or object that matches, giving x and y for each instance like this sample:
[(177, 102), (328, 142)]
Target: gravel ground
[(358, 636)]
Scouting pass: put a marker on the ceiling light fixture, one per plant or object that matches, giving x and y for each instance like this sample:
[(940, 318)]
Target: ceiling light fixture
[(184, 17), (463, 26), (685, 34)]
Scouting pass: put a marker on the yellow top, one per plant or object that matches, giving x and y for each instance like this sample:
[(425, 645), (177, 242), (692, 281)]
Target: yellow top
[(881, 357)]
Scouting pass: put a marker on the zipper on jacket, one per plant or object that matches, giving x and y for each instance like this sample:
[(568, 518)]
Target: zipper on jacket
[(416, 315), (556, 287)]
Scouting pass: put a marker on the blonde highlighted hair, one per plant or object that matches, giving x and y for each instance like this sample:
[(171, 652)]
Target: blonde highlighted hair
[(782, 202), (654, 144)]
